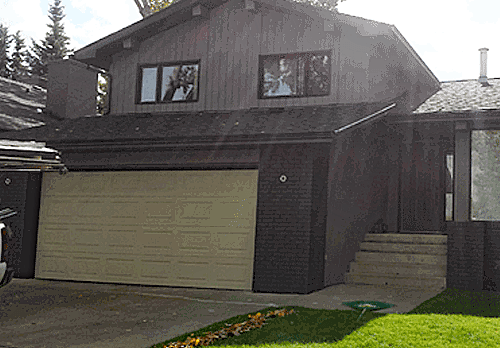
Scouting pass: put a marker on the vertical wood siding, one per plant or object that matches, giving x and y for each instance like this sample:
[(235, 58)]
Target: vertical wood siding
[(361, 164), (367, 65)]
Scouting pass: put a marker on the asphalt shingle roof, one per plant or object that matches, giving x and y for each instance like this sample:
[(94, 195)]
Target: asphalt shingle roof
[(462, 96), (21, 105), (209, 126)]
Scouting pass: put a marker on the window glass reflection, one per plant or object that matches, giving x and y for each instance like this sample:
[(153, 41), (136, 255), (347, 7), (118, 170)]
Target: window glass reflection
[(485, 175)]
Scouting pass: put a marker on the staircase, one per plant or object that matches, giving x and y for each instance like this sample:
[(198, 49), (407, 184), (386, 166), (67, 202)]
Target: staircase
[(401, 260)]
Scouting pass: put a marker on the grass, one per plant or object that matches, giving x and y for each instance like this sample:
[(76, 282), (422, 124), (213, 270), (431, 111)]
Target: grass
[(454, 318)]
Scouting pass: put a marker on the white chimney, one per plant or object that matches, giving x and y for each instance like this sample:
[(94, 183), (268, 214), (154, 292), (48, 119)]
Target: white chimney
[(483, 79)]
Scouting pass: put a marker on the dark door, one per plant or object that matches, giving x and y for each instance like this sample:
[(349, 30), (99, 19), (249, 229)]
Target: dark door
[(422, 191)]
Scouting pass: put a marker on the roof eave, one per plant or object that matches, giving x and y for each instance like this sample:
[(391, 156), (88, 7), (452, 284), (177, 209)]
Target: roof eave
[(98, 52), (416, 56)]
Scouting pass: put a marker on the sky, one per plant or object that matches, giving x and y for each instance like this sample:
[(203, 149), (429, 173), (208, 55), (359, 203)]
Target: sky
[(446, 34)]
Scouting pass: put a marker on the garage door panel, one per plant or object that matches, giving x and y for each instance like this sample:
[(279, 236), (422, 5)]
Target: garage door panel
[(144, 182), (74, 183), (52, 237), (192, 270), (159, 211), (50, 264), (120, 267), (195, 210), (234, 244), (231, 273), (122, 240), (158, 239), (161, 271), (86, 266), (86, 238), (192, 242), (178, 228)]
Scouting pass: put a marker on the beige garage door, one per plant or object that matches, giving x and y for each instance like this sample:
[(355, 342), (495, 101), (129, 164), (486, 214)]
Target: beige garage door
[(179, 228)]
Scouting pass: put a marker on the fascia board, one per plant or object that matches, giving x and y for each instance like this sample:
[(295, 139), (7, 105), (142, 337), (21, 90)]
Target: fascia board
[(146, 27), (401, 38)]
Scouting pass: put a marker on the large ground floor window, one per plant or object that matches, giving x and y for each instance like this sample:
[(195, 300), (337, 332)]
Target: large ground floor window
[(485, 175)]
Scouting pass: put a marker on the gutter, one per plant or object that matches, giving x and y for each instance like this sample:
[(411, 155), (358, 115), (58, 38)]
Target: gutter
[(364, 119), (323, 137)]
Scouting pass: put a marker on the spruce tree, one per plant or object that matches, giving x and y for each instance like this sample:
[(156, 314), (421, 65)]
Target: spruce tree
[(54, 46), (5, 41), (19, 57)]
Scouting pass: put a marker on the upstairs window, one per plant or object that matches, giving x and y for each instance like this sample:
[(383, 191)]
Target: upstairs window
[(295, 75), (168, 82)]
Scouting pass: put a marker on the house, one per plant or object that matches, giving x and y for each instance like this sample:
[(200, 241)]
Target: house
[(22, 105), (21, 163), (249, 145)]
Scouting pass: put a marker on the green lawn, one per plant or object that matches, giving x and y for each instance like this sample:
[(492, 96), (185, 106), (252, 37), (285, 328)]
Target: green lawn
[(451, 319)]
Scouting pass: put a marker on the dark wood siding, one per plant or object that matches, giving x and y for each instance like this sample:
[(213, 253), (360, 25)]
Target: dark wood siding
[(360, 172), (367, 65), (422, 195)]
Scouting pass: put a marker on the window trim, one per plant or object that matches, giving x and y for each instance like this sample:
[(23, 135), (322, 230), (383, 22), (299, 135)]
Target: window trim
[(159, 76), (260, 89)]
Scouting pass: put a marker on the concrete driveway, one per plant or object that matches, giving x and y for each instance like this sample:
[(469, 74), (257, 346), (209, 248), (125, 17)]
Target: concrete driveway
[(43, 313)]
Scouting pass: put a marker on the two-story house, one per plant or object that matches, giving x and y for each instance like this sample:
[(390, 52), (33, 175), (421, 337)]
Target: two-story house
[(245, 148)]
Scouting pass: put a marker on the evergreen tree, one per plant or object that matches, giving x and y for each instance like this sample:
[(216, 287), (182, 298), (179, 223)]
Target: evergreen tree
[(327, 4), (5, 41), (157, 5), (102, 94), (19, 57), (54, 46)]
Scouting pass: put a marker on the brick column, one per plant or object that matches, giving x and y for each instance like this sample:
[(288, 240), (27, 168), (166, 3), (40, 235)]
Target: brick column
[(465, 255)]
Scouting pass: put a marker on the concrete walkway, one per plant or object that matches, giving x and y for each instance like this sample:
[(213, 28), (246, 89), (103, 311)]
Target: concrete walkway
[(43, 313)]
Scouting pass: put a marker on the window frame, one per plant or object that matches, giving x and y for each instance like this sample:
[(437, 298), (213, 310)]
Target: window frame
[(159, 81), (307, 55)]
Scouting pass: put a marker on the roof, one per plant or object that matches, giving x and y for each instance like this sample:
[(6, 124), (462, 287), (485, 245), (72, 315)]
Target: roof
[(29, 155), (463, 96), (98, 53), (21, 105), (207, 127)]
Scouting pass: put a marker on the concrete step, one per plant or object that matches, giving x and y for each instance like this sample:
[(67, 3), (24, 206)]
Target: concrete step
[(406, 238), (404, 248), (370, 257), (434, 283), (398, 269)]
